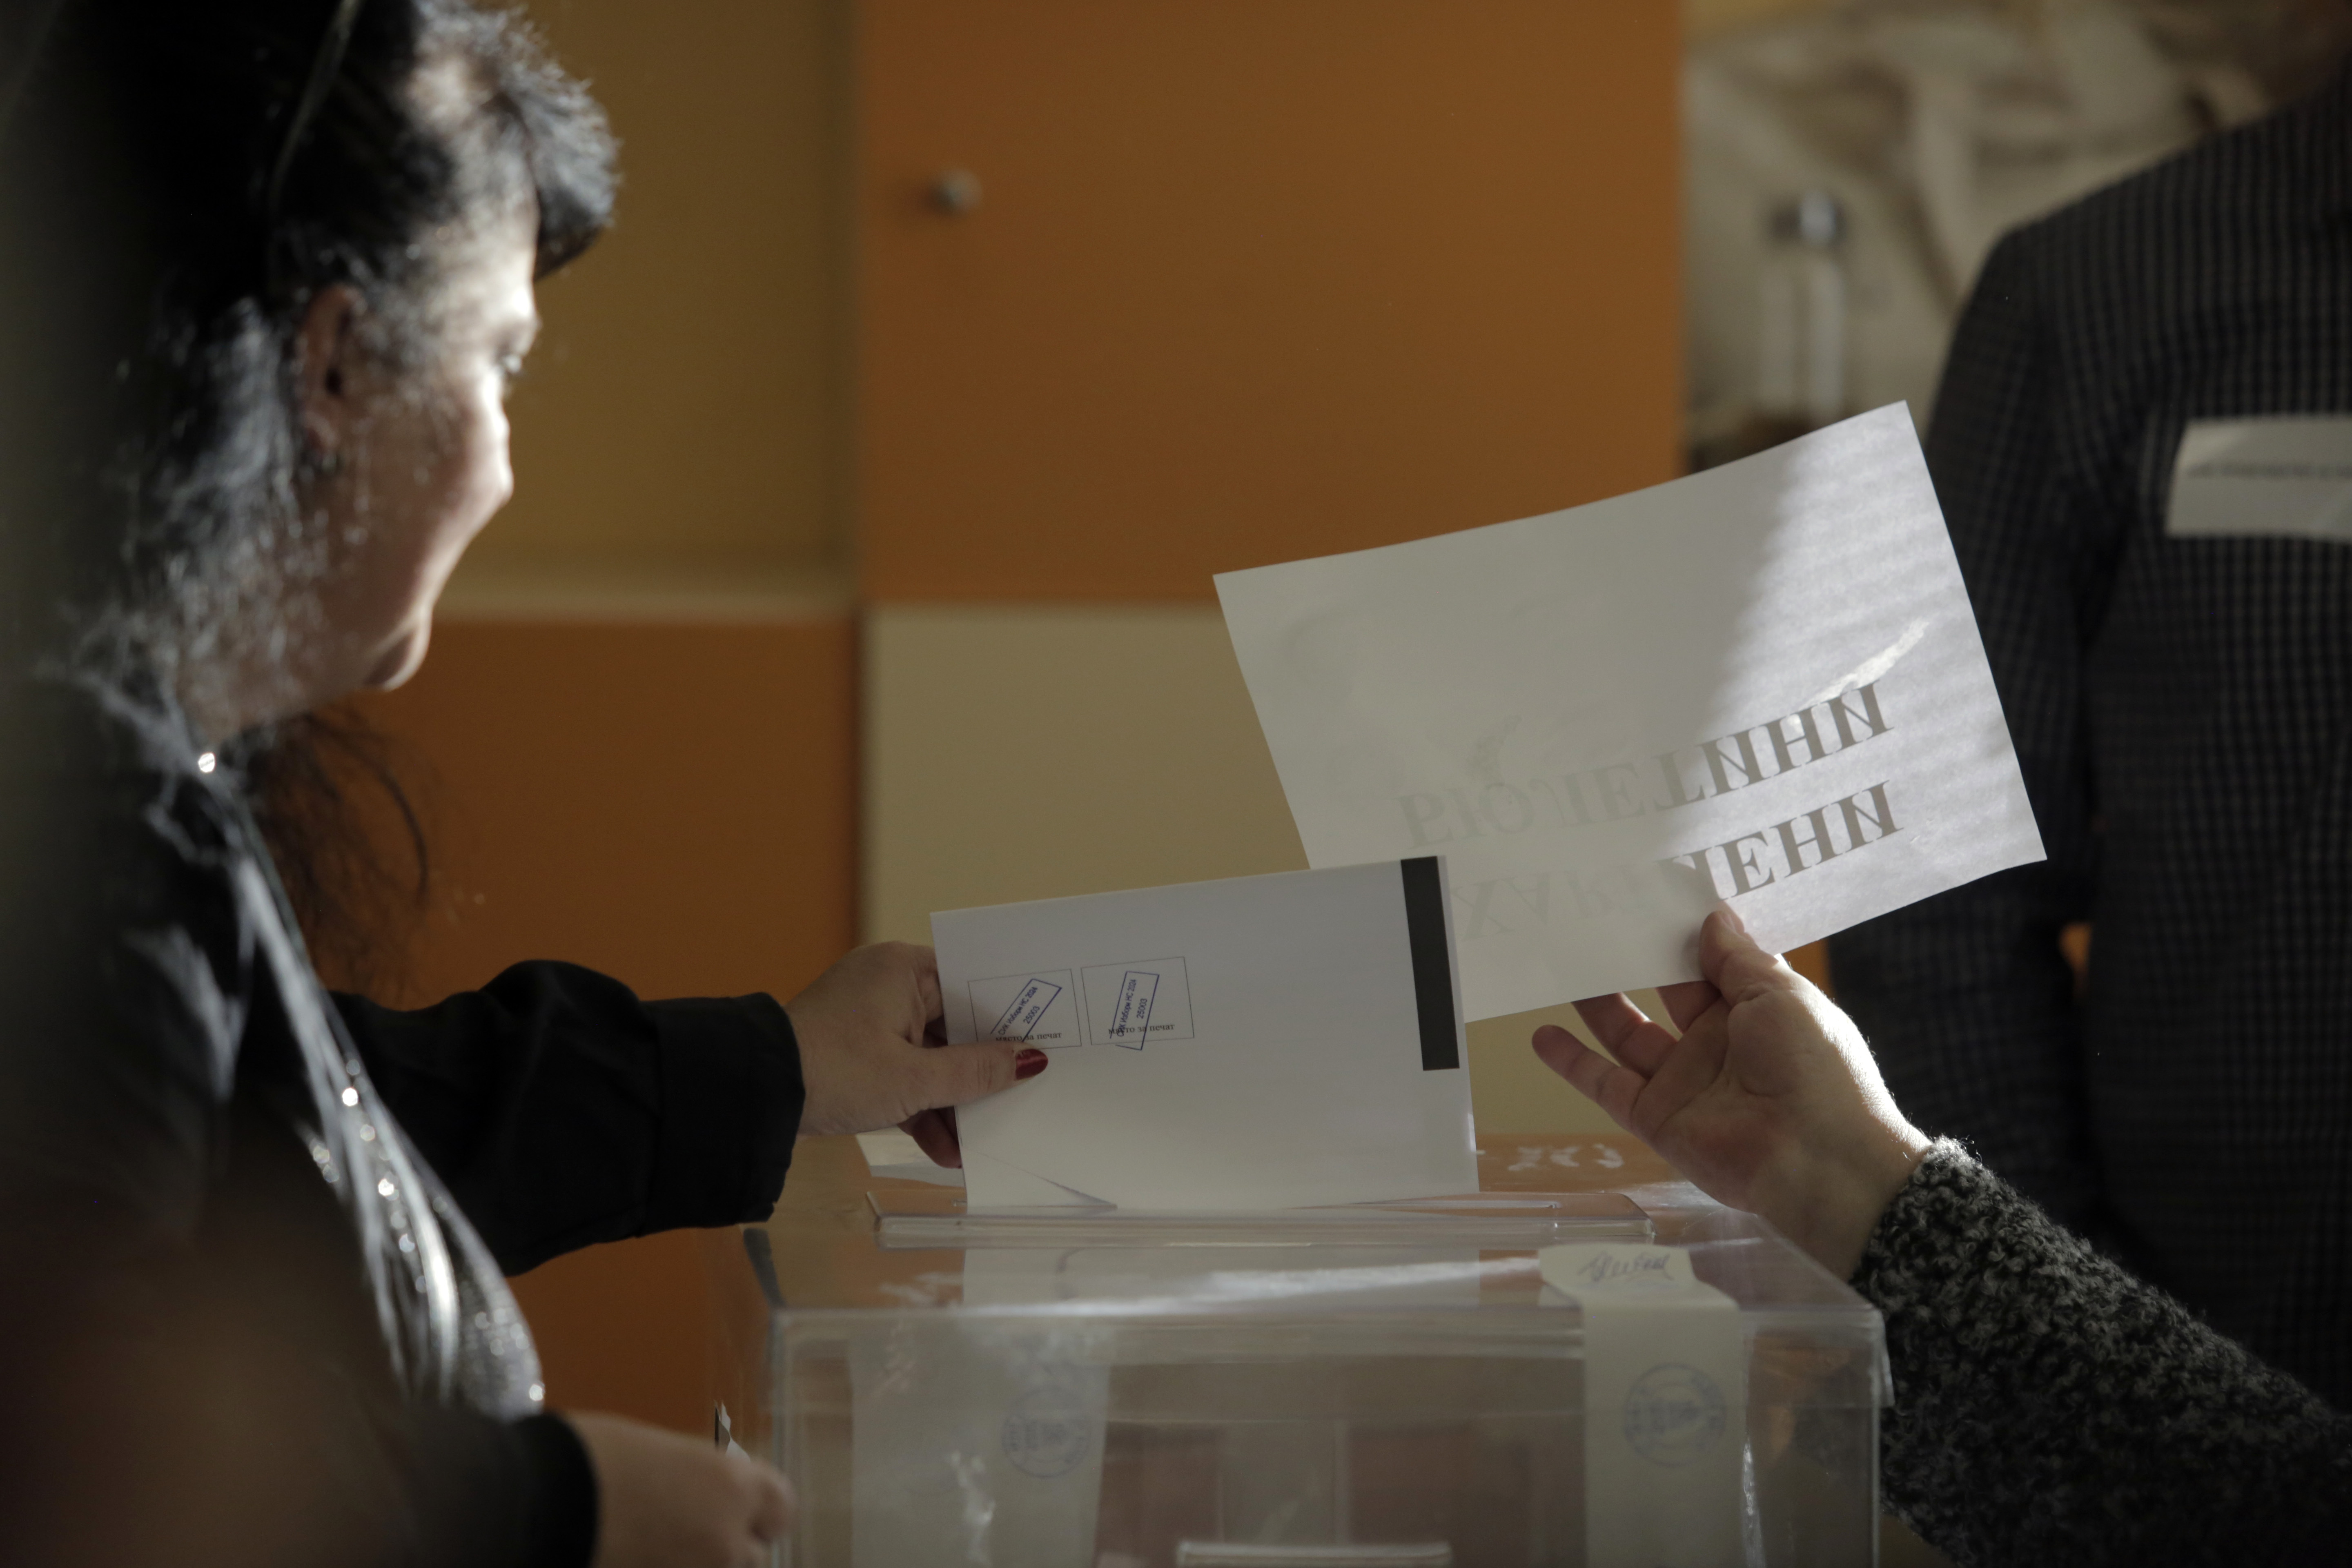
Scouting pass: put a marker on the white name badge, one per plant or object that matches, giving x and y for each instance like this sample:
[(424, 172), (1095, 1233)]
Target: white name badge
[(2287, 475)]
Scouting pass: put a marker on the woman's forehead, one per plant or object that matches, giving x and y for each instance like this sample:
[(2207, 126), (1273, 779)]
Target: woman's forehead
[(490, 282)]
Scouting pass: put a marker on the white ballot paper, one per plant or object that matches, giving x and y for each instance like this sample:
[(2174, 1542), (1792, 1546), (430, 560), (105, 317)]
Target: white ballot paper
[(890, 1153), (1265, 1042), (1760, 684)]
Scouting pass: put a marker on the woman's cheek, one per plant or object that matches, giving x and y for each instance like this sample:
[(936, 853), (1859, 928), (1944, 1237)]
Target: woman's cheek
[(490, 472)]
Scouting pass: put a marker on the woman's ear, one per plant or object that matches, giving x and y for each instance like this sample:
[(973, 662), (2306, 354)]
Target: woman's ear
[(329, 343)]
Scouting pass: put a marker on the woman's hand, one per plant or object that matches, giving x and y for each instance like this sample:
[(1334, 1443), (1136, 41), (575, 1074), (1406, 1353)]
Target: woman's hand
[(872, 1054), (668, 1501), (1768, 1101)]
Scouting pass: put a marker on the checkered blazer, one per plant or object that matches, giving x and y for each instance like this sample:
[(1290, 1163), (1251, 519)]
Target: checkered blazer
[(2182, 709)]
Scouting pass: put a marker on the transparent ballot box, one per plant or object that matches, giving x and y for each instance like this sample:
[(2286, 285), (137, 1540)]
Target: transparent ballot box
[(1385, 1385)]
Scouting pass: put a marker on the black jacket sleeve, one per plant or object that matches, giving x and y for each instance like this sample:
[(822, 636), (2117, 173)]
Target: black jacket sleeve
[(561, 1111)]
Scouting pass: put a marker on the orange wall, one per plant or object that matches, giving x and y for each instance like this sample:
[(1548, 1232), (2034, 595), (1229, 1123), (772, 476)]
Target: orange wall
[(1252, 281), (672, 804), (684, 407), (669, 803)]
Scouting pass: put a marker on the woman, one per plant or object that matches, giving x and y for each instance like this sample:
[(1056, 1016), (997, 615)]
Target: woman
[(269, 270), (2048, 1408)]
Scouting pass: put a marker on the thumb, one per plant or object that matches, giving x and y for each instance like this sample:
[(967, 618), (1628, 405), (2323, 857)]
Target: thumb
[(958, 1075), (1731, 960), (772, 1503)]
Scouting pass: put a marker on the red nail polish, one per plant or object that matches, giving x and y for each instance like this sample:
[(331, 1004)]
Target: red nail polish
[(1028, 1064)]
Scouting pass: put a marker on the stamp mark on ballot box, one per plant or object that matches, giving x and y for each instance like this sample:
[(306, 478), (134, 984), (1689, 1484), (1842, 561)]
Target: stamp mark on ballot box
[(1046, 1433), (1674, 1414)]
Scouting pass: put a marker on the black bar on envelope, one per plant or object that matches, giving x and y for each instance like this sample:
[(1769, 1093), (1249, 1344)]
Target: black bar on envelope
[(1432, 967)]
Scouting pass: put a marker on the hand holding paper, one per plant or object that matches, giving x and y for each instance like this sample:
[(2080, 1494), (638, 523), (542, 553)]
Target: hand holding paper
[(867, 1029), (1765, 1097), (1259, 1043)]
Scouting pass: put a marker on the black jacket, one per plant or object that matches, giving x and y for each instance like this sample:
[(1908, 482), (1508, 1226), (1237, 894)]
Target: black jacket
[(2182, 710), (255, 1236)]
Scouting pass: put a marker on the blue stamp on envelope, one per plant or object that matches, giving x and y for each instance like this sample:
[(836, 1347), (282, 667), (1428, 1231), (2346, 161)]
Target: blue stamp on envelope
[(1130, 1018), (1039, 1009), (1674, 1414), (1020, 1015), (1136, 1003)]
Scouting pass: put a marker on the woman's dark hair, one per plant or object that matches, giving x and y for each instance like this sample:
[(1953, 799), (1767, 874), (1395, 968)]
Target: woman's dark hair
[(171, 217)]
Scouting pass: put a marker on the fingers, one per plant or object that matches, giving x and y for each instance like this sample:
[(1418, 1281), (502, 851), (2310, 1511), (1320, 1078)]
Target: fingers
[(1687, 999), (664, 1500), (1609, 1085), (1626, 1032), (772, 1503), (926, 983), (911, 974), (958, 1075), (934, 1132)]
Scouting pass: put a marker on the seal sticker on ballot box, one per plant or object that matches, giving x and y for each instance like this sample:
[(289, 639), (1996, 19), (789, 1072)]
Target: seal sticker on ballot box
[(1047, 1432), (1674, 1414), (1138, 1004), (1666, 1405), (1039, 1009)]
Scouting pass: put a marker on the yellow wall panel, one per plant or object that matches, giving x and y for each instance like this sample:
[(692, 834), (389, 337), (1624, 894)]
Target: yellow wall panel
[(671, 804)]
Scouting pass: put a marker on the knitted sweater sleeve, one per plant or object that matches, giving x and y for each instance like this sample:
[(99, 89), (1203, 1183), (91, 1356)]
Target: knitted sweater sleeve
[(2051, 1408)]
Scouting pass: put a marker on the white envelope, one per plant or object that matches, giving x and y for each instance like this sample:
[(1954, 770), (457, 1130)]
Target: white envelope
[(1265, 1042), (1761, 684)]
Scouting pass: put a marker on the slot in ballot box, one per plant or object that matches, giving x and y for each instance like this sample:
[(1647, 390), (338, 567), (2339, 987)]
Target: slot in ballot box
[(1384, 1384)]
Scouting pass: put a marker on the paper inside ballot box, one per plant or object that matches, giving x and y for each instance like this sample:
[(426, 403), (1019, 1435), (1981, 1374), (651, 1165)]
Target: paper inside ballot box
[(1761, 685), (1258, 1043)]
